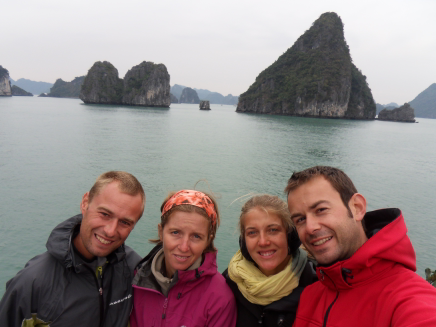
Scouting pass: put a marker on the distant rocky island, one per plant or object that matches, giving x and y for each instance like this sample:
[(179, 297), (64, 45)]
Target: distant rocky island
[(62, 89), (425, 103), (189, 96), (314, 78), (18, 91), (146, 84), (32, 86), (405, 113), (5, 85), (212, 97)]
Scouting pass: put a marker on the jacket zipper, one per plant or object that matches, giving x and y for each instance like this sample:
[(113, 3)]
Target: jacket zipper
[(99, 283), (165, 305), (326, 316), (100, 291)]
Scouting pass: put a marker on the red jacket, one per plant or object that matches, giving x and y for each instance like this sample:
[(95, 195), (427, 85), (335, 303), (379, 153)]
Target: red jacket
[(377, 286), (200, 297)]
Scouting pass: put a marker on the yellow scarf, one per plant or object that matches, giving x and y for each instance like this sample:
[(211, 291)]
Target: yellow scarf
[(260, 289)]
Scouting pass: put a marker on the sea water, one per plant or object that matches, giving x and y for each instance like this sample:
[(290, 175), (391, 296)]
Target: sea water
[(52, 150)]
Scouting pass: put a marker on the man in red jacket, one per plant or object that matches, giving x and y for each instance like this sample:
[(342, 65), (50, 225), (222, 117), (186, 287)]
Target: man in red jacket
[(366, 262)]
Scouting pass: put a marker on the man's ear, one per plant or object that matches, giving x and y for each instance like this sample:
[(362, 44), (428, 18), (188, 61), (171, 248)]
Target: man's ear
[(160, 231), (357, 206), (85, 202)]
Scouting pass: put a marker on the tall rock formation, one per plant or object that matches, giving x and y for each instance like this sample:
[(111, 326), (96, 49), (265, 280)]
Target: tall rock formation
[(102, 85), (5, 85), (313, 78), (189, 96), (147, 84), (425, 103), (405, 113)]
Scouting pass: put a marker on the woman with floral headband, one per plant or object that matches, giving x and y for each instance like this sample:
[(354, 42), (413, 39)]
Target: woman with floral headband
[(269, 272), (177, 283)]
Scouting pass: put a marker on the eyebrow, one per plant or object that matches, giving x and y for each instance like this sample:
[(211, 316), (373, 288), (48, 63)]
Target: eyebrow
[(313, 206), (111, 213)]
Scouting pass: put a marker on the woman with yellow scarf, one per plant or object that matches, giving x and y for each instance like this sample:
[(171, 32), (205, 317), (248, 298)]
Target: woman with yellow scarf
[(269, 272)]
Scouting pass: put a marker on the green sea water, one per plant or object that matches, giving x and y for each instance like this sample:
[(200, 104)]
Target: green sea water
[(51, 151)]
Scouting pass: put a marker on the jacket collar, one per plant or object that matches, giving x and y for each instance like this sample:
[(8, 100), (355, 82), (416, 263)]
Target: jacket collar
[(59, 245), (388, 245)]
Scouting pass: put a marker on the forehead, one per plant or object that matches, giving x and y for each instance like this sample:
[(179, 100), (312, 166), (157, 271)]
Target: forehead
[(260, 218), (187, 220), (316, 189)]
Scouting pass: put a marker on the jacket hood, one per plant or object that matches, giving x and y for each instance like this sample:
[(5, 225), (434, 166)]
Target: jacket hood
[(388, 244), (59, 245), (59, 241)]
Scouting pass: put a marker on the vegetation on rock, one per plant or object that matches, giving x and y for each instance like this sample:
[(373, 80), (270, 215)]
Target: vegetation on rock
[(3, 71), (102, 85), (405, 113), (315, 77), (146, 84)]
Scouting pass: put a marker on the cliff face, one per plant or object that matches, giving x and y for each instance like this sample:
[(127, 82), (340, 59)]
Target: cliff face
[(189, 96), (405, 113), (17, 91), (62, 89), (102, 85), (315, 78), (5, 86), (147, 84)]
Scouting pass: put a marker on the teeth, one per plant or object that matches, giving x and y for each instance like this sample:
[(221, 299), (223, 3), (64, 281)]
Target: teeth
[(265, 254), (102, 240), (180, 257), (322, 241)]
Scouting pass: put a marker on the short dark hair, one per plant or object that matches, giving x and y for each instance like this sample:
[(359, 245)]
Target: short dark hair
[(337, 178)]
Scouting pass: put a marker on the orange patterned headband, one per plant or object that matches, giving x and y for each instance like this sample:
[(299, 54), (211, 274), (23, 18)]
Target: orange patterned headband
[(193, 198)]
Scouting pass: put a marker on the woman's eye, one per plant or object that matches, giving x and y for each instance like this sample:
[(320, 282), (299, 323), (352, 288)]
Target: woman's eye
[(175, 232), (251, 233), (197, 236)]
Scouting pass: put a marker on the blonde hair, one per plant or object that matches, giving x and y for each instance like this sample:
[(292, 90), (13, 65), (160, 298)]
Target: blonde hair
[(270, 204), (127, 183)]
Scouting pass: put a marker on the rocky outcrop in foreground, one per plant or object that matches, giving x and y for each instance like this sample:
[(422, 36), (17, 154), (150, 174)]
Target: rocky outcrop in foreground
[(189, 96), (18, 91), (313, 78), (5, 85), (204, 105), (146, 84), (405, 113)]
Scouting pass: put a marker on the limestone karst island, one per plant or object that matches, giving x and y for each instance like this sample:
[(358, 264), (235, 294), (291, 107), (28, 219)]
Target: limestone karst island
[(315, 78), (146, 84)]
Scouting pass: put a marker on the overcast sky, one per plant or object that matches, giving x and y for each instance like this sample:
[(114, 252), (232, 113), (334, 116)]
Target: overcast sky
[(216, 45)]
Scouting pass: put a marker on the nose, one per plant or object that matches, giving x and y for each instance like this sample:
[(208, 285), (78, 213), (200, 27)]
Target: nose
[(312, 224), (111, 227), (263, 239), (184, 244)]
